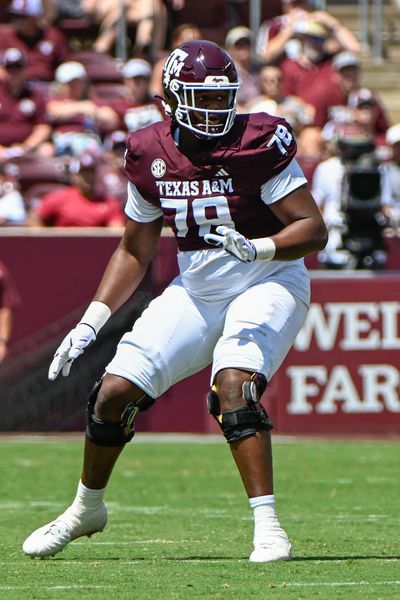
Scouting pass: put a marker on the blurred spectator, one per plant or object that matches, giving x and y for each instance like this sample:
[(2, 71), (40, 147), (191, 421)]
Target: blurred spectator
[(50, 10), (9, 300), (310, 76), (183, 33), (23, 121), (140, 108), (352, 174), (44, 46), (272, 100), (277, 37), (78, 117), (349, 102), (12, 207), (149, 17), (239, 44), (298, 113), (80, 205), (111, 171), (392, 170)]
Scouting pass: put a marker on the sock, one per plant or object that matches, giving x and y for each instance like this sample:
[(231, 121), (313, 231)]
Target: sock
[(265, 517), (88, 498), (262, 501)]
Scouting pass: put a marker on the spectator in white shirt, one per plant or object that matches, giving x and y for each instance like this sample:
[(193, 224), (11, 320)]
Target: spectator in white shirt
[(392, 179)]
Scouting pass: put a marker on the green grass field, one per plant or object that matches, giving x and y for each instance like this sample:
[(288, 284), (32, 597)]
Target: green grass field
[(180, 525)]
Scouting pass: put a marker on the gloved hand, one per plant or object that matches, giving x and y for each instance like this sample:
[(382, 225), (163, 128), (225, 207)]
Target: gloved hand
[(70, 348), (233, 242)]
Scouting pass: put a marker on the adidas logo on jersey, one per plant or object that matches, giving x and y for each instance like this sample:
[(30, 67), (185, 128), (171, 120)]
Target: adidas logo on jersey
[(222, 173)]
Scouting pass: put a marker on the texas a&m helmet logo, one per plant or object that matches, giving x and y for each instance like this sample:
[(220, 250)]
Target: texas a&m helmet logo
[(158, 167), (174, 65)]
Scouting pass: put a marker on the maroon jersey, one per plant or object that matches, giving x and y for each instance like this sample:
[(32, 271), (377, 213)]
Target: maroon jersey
[(217, 187), (316, 85), (44, 51), (19, 114)]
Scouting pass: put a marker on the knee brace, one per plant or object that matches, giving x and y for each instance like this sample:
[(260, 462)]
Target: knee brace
[(243, 421), (108, 433)]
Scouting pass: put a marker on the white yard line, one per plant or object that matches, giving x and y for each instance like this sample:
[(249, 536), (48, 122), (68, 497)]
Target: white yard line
[(278, 585), (337, 584), (77, 561), (115, 508), (130, 542), (198, 438)]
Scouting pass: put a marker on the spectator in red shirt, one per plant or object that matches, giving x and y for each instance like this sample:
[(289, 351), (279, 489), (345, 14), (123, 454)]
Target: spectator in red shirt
[(79, 118), (350, 102), (277, 37), (271, 100), (81, 204), (9, 300), (23, 123), (44, 46), (139, 108), (309, 75)]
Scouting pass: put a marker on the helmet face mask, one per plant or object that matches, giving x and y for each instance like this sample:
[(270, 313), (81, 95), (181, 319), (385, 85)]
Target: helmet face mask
[(200, 87)]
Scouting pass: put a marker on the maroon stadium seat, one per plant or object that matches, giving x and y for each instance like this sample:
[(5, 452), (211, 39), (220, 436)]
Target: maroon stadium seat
[(31, 170), (111, 91), (101, 67)]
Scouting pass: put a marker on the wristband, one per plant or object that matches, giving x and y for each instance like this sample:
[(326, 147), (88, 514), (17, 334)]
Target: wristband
[(96, 315), (265, 248)]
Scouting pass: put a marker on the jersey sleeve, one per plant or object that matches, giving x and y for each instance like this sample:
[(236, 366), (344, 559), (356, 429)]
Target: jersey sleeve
[(133, 159), (139, 209), (275, 145), (288, 180)]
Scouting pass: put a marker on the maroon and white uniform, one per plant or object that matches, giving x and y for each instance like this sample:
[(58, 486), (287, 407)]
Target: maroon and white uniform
[(219, 310), (222, 187)]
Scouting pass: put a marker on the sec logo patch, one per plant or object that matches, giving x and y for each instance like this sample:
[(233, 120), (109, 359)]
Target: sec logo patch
[(158, 167)]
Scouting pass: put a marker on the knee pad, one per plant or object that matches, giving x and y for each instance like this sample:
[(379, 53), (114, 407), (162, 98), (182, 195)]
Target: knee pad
[(108, 433), (243, 421)]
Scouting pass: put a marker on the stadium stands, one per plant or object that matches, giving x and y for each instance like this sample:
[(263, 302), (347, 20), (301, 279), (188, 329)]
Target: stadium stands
[(39, 175)]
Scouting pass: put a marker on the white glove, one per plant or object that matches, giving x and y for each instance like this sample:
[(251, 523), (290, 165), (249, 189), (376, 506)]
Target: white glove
[(233, 242), (71, 347)]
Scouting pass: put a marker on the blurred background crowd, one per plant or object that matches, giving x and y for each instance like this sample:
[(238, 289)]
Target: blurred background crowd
[(77, 76)]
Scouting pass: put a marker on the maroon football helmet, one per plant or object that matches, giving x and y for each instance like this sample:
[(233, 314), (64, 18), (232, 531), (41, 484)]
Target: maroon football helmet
[(192, 69)]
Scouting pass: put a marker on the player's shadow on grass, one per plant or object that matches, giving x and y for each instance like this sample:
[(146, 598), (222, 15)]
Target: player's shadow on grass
[(224, 558), (293, 559), (347, 557)]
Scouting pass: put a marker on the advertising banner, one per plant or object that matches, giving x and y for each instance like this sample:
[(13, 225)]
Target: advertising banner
[(343, 374)]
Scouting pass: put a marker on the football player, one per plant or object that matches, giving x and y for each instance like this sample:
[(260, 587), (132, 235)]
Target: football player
[(230, 188)]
